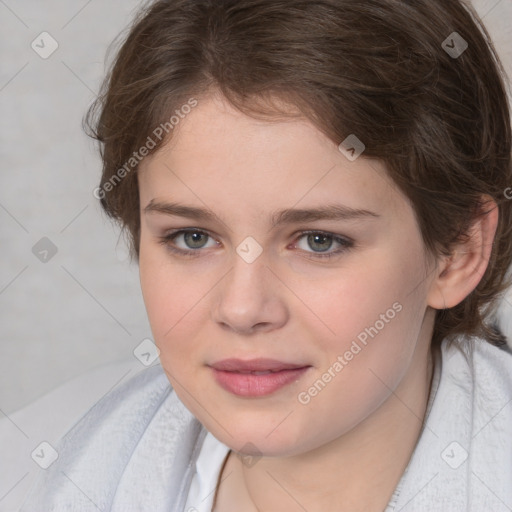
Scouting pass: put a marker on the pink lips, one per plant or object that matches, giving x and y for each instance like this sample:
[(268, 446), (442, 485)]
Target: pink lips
[(256, 377)]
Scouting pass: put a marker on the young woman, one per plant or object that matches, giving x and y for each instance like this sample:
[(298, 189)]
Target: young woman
[(316, 196)]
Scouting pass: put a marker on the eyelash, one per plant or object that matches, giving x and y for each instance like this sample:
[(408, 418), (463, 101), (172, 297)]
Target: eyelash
[(346, 244)]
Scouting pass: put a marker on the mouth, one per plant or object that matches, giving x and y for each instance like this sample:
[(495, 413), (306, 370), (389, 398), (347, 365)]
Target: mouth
[(256, 377)]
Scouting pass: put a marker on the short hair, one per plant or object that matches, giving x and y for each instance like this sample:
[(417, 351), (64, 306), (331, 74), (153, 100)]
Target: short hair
[(419, 82)]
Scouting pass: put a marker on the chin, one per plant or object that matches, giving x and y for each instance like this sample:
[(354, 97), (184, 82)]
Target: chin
[(257, 439)]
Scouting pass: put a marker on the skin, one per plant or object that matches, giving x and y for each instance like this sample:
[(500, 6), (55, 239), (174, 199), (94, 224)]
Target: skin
[(361, 429)]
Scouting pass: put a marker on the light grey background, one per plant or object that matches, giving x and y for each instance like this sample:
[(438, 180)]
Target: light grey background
[(83, 308)]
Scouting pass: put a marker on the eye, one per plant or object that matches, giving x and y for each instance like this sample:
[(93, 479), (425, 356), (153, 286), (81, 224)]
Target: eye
[(323, 241), (193, 238)]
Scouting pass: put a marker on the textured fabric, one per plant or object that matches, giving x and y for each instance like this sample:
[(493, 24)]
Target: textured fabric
[(133, 451), (136, 450), (463, 460)]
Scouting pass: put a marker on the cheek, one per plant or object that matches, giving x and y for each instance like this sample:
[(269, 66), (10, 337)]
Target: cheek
[(163, 291), (367, 358), (155, 286), (176, 306), (371, 315)]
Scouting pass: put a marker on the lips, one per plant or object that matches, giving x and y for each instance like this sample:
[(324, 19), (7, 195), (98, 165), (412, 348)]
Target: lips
[(254, 365), (257, 377)]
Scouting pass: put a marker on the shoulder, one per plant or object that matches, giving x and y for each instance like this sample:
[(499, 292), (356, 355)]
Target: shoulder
[(477, 381), (101, 434), (467, 440), (489, 366), (492, 367), (45, 420)]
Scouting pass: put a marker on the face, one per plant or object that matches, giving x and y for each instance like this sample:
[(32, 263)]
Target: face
[(342, 299)]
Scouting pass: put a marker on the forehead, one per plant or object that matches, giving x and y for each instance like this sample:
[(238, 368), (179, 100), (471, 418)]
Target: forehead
[(218, 153)]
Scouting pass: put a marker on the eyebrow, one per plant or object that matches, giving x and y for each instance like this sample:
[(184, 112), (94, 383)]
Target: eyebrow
[(287, 216)]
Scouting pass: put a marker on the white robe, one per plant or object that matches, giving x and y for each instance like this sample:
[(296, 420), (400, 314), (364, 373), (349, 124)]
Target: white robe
[(136, 449)]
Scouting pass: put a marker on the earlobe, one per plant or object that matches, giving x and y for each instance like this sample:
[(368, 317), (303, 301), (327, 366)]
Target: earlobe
[(436, 298), (459, 274)]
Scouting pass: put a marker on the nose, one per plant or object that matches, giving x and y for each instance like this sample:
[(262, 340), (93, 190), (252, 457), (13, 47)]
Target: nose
[(250, 299)]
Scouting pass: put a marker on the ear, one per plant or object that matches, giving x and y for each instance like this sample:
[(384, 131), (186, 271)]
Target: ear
[(459, 274)]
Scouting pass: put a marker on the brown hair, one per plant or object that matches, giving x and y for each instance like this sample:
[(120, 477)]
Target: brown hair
[(379, 69)]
